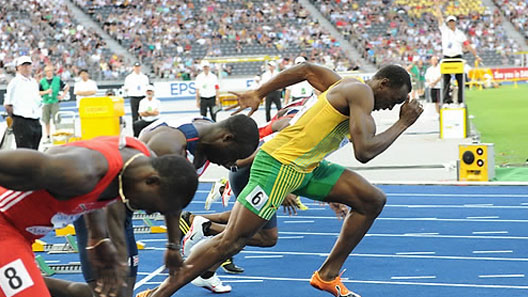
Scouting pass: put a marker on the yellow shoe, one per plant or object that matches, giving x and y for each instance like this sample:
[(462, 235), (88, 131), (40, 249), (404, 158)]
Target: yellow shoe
[(334, 287), (300, 205)]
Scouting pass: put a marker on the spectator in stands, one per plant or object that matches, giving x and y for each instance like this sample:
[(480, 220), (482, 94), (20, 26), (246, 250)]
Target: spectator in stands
[(298, 91), (135, 85), (207, 91), (432, 81), (149, 110), (453, 42), (275, 96), (85, 87), (22, 103), (52, 90)]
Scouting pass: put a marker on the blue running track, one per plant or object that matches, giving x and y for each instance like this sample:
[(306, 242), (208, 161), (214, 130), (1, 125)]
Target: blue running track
[(430, 241)]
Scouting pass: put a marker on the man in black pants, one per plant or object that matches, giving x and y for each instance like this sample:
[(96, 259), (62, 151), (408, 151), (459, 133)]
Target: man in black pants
[(453, 42), (207, 91), (275, 96), (135, 86), (23, 105)]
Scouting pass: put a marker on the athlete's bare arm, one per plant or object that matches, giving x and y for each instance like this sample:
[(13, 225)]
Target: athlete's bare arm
[(321, 78), (164, 142), (360, 100), (69, 172), (103, 256)]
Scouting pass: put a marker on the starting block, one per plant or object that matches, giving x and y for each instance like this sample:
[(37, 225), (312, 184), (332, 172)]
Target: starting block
[(51, 269), (149, 228), (142, 215), (56, 248), (68, 230)]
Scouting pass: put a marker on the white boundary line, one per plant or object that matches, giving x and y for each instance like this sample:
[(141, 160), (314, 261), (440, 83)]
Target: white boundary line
[(459, 285), (416, 219), (393, 256), (426, 183), (410, 235)]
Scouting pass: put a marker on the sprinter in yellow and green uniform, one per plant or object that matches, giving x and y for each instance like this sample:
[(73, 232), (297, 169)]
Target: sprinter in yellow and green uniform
[(292, 162)]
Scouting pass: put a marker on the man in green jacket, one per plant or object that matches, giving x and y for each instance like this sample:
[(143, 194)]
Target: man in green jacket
[(52, 89)]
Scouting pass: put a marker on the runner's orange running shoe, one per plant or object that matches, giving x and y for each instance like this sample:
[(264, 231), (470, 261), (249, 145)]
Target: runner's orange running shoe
[(334, 287), (146, 293)]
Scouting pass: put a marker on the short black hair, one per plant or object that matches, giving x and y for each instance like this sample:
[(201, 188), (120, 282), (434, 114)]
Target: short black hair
[(178, 179), (245, 134), (396, 75), (83, 70)]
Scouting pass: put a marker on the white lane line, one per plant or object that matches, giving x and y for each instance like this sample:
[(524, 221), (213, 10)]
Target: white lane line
[(299, 222), (414, 277), (524, 203), (264, 257), (52, 261), (149, 277), (413, 235), (415, 219), (456, 195), (416, 253), (244, 281), (154, 240), (490, 217), (489, 286), (393, 256), (501, 275), (457, 206), (291, 237), (420, 234), (493, 252), (478, 204), (490, 232)]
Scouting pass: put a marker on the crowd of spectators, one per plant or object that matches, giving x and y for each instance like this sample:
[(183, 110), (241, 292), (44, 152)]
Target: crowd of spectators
[(404, 31), (174, 35), (47, 31), (517, 13)]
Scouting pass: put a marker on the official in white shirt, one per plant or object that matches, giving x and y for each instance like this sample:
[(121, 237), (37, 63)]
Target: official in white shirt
[(453, 43), (275, 96), (432, 81), (23, 104), (300, 90), (85, 87), (149, 110), (207, 91), (135, 86)]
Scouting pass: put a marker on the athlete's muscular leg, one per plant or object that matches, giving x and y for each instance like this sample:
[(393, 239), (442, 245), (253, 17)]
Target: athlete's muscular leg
[(240, 228), (366, 202)]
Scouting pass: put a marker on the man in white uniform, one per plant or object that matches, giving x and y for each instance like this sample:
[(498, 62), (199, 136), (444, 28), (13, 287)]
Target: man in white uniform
[(85, 87), (23, 105), (432, 81), (453, 42), (207, 91), (135, 86), (300, 90), (149, 110)]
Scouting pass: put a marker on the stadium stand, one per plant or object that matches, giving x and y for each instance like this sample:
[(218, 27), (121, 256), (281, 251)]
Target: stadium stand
[(175, 35), (405, 30), (46, 31), (517, 13)]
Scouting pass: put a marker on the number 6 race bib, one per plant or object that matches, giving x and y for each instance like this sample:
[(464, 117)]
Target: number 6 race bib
[(257, 198), (14, 278)]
